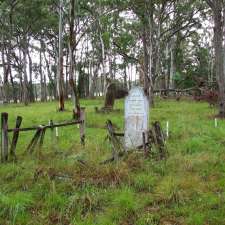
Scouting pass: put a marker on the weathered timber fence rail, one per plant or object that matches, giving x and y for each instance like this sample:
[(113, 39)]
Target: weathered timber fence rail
[(38, 137), (186, 91), (44, 126), (153, 137)]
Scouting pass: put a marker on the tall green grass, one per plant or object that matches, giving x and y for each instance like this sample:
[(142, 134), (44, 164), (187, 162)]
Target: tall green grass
[(67, 185)]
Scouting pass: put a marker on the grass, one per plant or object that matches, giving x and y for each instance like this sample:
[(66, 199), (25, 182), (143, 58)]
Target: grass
[(54, 187)]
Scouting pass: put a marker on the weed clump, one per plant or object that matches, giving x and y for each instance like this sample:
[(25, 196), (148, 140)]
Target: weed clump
[(13, 207)]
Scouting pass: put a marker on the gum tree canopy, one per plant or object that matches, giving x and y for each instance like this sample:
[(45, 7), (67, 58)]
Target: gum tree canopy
[(48, 45)]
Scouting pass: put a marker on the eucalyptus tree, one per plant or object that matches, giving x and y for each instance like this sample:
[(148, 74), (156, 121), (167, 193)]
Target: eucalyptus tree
[(160, 23), (60, 76), (6, 21), (103, 37), (23, 22), (98, 11), (78, 27), (218, 10)]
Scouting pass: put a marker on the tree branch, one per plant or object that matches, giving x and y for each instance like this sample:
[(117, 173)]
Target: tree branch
[(125, 55), (210, 3)]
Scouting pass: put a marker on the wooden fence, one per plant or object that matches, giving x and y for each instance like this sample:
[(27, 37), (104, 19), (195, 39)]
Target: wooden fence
[(38, 138)]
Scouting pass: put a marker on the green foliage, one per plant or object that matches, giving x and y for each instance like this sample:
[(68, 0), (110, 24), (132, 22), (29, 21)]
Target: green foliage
[(106, 39), (125, 201), (144, 182), (14, 205), (55, 201)]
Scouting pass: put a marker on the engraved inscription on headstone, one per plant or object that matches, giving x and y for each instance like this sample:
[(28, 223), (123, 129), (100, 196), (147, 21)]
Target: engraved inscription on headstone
[(136, 117)]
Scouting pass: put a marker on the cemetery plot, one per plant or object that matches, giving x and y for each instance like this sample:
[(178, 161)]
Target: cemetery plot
[(137, 133)]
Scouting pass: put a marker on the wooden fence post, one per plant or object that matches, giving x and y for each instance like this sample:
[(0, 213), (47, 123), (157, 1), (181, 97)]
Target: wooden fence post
[(82, 125), (15, 137), (113, 139), (51, 123), (41, 142), (34, 141), (160, 140), (144, 144), (4, 138)]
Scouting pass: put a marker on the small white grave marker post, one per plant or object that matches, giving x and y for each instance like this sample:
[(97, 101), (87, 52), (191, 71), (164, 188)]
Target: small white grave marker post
[(56, 132), (167, 129), (136, 118), (216, 122)]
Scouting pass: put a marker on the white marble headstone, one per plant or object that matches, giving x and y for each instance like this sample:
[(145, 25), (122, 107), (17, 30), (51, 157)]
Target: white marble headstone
[(136, 117)]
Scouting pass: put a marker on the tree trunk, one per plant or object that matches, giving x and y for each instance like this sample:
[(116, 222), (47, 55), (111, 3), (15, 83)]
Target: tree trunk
[(172, 66), (104, 76), (25, 80), (94, 81), (20, 73), (55, 73), (90, 76), (67, 89), (150, 54), (21, 87), (41, 74), (219, 55), (51, 85), (125, 78), (13, 88), (60, 80), (45, 89), (6, 97), (110, 55), (72, 40), (146, 62), (31, 88)]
